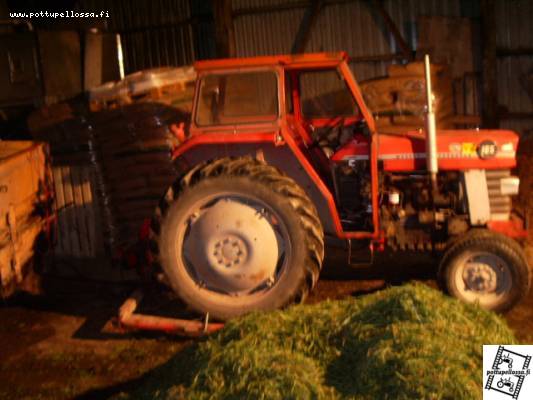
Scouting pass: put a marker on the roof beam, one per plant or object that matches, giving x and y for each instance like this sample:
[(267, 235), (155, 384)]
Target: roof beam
[(224, 31), (489, 87), (306, 25), (389, 23)]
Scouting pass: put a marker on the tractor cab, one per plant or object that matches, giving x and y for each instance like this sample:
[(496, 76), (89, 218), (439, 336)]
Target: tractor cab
[(310, 100)]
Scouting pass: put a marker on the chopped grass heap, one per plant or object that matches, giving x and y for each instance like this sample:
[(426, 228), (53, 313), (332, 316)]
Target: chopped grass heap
[(408, 342)]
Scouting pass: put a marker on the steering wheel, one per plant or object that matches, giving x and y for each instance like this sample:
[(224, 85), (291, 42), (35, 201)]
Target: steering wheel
[(319, 137)]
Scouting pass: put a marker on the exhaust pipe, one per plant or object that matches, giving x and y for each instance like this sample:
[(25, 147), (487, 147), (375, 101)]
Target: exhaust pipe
[(431, 130)]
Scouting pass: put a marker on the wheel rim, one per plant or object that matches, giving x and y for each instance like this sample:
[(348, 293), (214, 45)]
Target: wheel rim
[(483, 277), (233, 245)]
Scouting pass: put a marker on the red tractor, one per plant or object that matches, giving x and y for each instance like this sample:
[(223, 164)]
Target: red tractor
[(271, 170)]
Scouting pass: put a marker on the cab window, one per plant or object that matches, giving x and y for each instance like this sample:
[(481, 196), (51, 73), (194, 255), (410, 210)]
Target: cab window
[(324, 94), (237, 98)]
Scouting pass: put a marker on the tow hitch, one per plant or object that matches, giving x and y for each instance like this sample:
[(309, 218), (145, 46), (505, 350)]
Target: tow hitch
[(128, 320)]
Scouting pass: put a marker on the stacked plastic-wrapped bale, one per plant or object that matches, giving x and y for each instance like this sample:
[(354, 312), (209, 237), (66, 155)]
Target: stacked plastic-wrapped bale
[(165, 85), (134, 144), (66, 128), (112, 157), (134, 152), (398, 101)]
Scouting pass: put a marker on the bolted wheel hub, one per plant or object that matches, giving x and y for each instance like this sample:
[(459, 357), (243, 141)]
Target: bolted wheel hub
[(230, 251), (480, 277), (233, 246), (483, 277)]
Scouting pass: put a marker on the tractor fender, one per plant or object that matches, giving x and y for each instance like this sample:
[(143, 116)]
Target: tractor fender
[(279, 156)]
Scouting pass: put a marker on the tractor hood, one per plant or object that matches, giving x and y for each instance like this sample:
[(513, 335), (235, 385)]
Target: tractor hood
[(456, 150)]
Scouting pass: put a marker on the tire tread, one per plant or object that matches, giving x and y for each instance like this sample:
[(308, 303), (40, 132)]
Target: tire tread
[(276, 181), (500, 243)]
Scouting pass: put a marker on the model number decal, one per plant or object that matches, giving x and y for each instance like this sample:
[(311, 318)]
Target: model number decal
[(487, 149), (468, 149)]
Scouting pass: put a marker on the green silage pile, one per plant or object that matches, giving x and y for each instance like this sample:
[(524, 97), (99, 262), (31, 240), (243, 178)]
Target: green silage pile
[(409, 342)]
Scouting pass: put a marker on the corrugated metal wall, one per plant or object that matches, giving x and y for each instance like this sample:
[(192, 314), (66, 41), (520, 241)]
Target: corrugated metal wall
[(353, 26), (153, 32), (515, 30), (176, 32), (78, 214)]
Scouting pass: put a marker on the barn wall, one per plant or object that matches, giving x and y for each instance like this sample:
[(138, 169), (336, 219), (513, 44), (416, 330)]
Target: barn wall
[(153, 32), (177, 32), (352, 26), (515, 31)]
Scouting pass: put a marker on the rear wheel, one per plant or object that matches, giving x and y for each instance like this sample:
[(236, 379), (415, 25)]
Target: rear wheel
[(237, 235), (485, 268)]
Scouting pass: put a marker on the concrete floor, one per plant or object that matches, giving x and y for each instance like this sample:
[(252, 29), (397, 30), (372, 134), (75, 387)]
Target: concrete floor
[(64, 345)]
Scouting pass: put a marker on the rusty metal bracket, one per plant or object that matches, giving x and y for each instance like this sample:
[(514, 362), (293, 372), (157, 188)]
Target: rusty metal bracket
[(131, 321)]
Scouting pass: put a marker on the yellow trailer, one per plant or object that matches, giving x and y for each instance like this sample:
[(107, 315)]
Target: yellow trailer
[(26, 211)]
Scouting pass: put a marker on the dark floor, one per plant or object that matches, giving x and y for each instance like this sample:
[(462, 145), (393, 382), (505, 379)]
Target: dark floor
[(64, 345)]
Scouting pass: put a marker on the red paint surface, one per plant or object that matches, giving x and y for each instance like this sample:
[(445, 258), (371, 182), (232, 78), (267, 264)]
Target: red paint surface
[(407, 153), (511, 228), (456, 148), (318, 60)]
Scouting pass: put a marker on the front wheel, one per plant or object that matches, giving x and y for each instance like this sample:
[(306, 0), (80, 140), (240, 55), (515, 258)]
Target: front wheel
[(240, 236), (485, 268)]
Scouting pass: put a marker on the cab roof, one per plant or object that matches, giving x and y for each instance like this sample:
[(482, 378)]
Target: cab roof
[(308, 60)]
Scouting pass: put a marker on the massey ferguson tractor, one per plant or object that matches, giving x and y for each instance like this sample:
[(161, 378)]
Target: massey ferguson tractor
[(271, 170)]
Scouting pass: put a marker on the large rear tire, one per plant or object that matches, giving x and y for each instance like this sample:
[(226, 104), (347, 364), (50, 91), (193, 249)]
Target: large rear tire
[(486, 268), (236, 235)]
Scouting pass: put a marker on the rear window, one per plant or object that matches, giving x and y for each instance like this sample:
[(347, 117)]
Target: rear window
[(237, 98)]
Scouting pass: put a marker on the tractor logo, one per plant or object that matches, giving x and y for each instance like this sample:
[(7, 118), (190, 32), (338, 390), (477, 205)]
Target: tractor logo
[(487, 149), (508, 373)]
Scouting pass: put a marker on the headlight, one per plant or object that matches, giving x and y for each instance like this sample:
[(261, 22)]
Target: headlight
[(509, 186)]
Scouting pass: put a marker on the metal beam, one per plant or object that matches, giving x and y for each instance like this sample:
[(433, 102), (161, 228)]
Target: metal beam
[(282, 7), (517, 51), (306, 25), (224, 32), (489, 65), (377, 58), (389, 23)]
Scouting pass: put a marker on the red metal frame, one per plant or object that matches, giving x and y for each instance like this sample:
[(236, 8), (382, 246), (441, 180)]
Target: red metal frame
[(511, 228), (393, 148), (291, 64), (296, 61), (291, 130), (218, 138)]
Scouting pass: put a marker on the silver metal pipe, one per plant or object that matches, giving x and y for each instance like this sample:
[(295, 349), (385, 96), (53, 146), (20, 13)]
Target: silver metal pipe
[(120, 56), (431, 128)]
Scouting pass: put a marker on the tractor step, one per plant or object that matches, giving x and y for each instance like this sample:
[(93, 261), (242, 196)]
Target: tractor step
[(361, 253)]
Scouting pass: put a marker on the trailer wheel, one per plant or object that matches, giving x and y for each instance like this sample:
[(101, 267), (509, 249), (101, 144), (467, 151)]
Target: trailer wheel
[(485, 268), (236, 235)]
